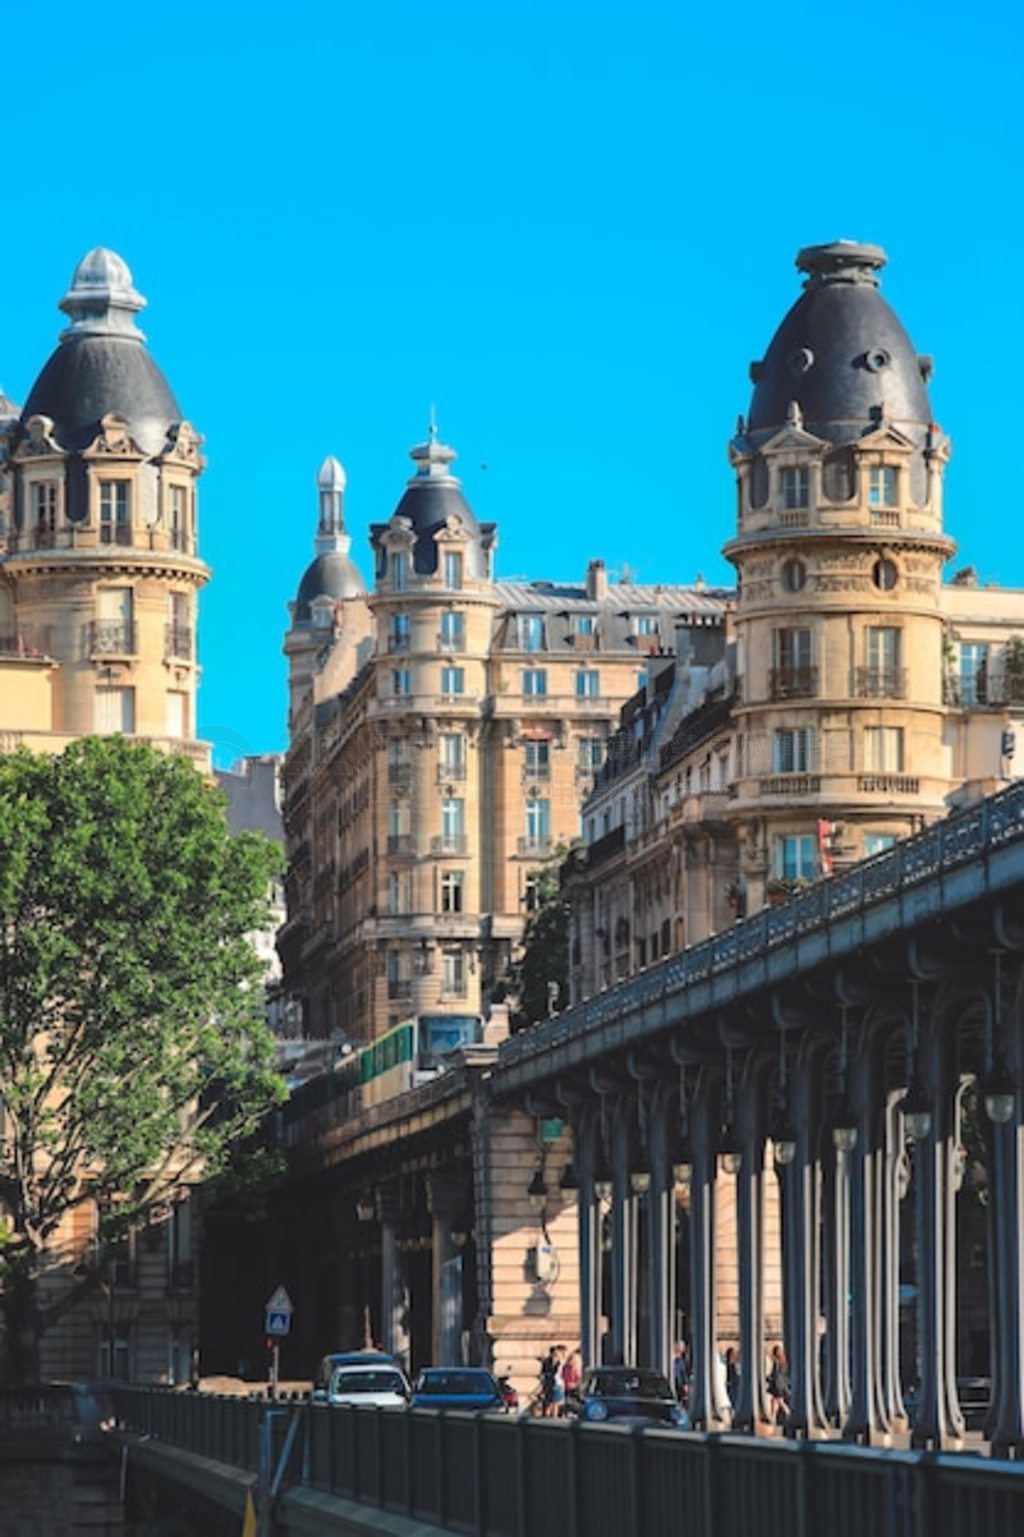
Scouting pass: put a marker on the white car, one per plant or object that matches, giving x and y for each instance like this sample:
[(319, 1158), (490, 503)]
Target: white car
[(383, 1387)]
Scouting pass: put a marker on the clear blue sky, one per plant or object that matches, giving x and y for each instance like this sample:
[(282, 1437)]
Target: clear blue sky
[(569, 225)]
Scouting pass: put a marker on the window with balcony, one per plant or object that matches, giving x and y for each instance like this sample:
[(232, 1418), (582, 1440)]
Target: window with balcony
[(401, 682), (398, 760), (973, 673), (453, 884), (115, 512), (535, 682), (531, 632), (537, 837), (453, 974), (44, 512), (588, 684), (399, 836), (883, 749), (453, 824), (792, 674), (452, 755), (398, 977), (883, 676), (536, 760), (113, 630), (398, 633), (589, 754), (398, 565), (453, 681), (793, 751), (178, 640), (795, 857), (794, 487), (451, 633), (452, 570), (882, 486), (177, 517)]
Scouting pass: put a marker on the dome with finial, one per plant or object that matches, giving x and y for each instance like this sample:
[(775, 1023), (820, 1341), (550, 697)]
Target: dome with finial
[(332, 573), (840, 354), (432, 496), (101, 364)]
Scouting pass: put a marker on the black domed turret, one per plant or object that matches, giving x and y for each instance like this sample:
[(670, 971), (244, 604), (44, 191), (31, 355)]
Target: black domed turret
[(432, 496), (841, 354), (101, 365)]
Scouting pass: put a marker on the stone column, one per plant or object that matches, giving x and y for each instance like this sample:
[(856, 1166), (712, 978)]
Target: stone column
[(623, 1322), (661, 1238), (868, 1418), (751, 1410), (939, 1422), (802, 1250), (394, 1308), (1007, 1260), (590, 1245), (446, 1195), (703, 1304)]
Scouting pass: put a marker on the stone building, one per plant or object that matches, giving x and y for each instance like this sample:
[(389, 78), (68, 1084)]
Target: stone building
[(863, 695), (444, 726), (99, 583)]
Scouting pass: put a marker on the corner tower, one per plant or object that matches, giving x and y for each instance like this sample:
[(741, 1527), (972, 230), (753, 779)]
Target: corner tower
[(99, 570), (839, 550)]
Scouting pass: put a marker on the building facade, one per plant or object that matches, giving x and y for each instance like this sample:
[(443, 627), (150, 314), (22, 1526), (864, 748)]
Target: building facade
[(864, 696), (444, 727), (99, 581)]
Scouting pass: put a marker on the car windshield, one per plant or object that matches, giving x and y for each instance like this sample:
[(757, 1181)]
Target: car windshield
[(628, 1384), (366, 1382), (456, 1382)]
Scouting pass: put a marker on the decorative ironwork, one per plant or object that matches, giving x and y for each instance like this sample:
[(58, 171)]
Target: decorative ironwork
[(112, 637)]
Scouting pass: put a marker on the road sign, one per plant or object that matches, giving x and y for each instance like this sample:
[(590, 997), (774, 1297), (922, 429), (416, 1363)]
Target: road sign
[(279, 1313)]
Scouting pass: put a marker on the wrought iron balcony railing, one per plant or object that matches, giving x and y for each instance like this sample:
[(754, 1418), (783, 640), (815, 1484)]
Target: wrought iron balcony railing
[(112, 637)]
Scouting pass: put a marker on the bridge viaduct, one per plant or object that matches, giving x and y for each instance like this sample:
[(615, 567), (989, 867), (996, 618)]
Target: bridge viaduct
[(847, 1068)]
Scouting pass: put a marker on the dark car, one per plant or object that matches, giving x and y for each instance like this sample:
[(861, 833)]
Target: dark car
[(456, 1387), (629, 1395)]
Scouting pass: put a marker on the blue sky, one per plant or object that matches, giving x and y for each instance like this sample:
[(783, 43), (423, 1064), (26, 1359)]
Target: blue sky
[(570, 226)]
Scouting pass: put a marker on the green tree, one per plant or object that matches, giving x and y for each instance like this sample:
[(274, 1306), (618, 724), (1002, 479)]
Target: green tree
[(133, 1050), (545, 959)]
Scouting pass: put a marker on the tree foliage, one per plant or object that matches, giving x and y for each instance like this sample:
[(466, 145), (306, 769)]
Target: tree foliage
[(133, 1050), (545, 958)]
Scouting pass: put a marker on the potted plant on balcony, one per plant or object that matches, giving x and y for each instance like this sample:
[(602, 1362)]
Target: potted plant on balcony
[(780, 888), (1013, 670)]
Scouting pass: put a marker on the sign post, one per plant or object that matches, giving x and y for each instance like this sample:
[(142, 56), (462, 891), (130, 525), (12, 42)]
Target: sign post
[(277, 1326)]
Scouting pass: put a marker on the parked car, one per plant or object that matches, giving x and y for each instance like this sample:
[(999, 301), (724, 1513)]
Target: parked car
[(330, 1363), (629, 1395), (380, 1386), (456, 1387)]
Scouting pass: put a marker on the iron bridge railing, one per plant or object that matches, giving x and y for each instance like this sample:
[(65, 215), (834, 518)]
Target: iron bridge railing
[(941, 848), (496, 1476)]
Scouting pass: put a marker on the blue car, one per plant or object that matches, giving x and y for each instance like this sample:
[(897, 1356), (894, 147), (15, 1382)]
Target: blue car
[(455, 1387)]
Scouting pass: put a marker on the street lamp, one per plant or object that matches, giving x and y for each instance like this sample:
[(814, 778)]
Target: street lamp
[(569, 1183), (844, 1128), (784, 1138), (537, 1193), (1000, 1093), (730, 1151), (366, 1207), (917, 1112)]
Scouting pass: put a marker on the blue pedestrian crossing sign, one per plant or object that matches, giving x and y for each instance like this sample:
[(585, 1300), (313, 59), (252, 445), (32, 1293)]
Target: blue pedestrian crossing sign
[(279, 1313)]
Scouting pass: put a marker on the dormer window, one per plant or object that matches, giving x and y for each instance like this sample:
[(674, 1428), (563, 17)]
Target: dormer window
[(115, 512), (531, 632), (177, 517), (452, 569), (399, 565), (583, 624), (882, 486), (645, 624), (794, 487), (44, 511)]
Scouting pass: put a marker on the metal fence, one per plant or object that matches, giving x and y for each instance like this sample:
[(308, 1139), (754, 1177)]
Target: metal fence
[(492, 1476)]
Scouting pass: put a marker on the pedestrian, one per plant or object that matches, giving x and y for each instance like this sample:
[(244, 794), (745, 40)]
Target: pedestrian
[(681, 1374), (778, 1385), (719, 1388), (558, 1387), (572, 1374), (732, 1376), (549, 1371)]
